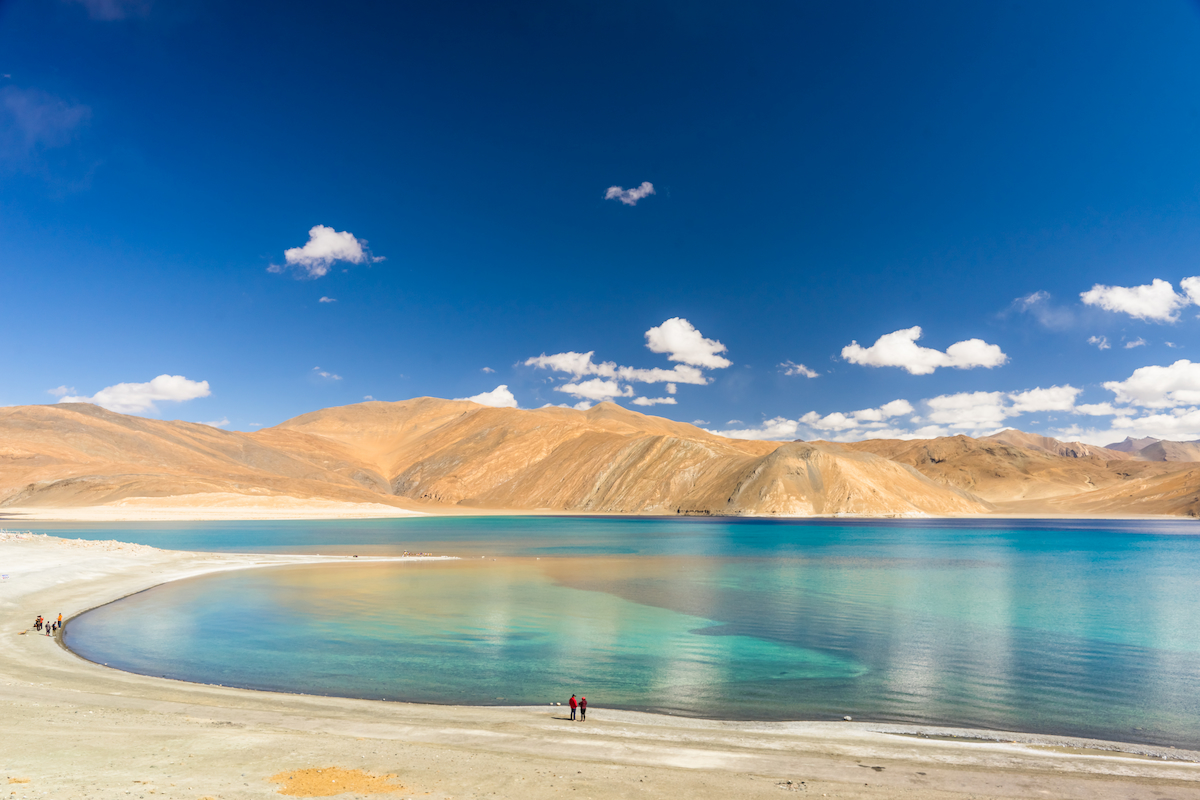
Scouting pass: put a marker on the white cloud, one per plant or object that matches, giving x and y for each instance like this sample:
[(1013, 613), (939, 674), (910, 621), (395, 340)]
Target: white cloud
[(59, 391), (866, 417), (900, 349), (734, 422), (500, 397), (324, 248), (329, 376), (967, 410), (1100, 341), (1101, 410), (1178, 425), (486, 370), (1155, 301), (699, 422), (654, 401), (580, 364), (327, 300), (680, 340), (368, 397), (1138, 342), (777, 429), (221, 423), (676, 337), (792, 368), (1191, 287), (132, 398), (629, 197), (596, 389), (1056, 398), (576, 364), (680, 373), (1160, 387)]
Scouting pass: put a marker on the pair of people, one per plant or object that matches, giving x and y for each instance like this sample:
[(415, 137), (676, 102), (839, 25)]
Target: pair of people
[(581, 705)]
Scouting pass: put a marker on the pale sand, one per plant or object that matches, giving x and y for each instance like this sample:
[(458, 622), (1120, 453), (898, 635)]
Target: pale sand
[(74, 729), (209, 506)]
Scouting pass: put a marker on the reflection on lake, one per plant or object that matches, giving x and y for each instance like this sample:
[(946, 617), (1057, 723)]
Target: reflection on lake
[(1058, 628)]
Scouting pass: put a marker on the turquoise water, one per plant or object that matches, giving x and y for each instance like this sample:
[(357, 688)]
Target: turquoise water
[(1073, 628)]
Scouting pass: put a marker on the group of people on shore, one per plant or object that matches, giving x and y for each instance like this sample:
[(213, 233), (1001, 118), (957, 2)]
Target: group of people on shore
[(47, 626), (581, 705)]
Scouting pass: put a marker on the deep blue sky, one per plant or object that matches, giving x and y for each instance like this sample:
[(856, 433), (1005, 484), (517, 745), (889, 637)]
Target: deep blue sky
[(824, 173)]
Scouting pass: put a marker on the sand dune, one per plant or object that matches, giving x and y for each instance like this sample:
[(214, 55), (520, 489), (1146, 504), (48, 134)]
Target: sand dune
[(437, 455)]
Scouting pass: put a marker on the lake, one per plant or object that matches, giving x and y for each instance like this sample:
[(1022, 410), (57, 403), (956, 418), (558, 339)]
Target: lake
[(1064, 627)]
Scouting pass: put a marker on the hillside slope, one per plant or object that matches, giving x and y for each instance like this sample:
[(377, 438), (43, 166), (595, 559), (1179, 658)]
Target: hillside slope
[(434, 454)]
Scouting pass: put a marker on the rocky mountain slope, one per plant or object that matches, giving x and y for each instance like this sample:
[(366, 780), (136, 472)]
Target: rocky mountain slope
[(428, 454)]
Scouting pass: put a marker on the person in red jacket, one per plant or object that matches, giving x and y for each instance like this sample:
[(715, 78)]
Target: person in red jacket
[(582, 708), (573, 706)]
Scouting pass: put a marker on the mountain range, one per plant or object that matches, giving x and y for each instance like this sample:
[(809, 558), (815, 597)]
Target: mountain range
[(431, 454)]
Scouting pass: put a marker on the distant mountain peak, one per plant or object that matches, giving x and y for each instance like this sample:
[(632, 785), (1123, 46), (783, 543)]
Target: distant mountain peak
[(1131, 445)]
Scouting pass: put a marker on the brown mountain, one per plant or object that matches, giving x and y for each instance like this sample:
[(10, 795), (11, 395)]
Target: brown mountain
[(1151, 449), (428, 454)]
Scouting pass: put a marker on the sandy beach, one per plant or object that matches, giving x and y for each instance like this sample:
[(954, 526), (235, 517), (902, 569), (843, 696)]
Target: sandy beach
[(74, 729)]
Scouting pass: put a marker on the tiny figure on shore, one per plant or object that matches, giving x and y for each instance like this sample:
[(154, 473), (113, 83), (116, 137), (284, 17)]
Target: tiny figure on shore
[(574, 704), (37, 624), (60, 619), (582, 709)]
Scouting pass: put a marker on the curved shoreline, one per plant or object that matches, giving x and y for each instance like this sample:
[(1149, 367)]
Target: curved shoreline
[(46, 573)]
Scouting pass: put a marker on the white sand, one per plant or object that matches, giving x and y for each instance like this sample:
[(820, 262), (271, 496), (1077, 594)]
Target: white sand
[(73, 729), (207, 506)]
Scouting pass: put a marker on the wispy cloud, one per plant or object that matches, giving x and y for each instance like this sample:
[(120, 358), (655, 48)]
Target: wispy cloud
[(1101, 342), (487, 370), (60, 391), (221, 423), (32, 120), (133, 398), (324, 248), (654, 401), (317, 372), (630, 197), (109, 10), (900, 349), (792, 368), (327, 300), (1040, 306), (1138, 342)]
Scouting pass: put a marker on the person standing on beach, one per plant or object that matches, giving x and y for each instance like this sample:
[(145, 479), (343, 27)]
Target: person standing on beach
[(60, 619), (582, 709), (573, 705)]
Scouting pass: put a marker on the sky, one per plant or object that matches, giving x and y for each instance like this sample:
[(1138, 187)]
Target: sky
[(783, 220)]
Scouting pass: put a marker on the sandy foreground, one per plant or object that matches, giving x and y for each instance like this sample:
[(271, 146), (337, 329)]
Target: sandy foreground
[(73, 729)]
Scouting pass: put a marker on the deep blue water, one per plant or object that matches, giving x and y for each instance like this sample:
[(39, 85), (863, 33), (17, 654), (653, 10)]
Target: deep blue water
[(1083, 628)]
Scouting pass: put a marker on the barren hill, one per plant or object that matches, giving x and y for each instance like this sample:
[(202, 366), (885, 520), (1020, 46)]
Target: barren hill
[(434, 454)]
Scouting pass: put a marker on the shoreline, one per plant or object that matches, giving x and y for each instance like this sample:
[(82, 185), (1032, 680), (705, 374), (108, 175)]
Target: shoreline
[(42, 689), (304, 511)]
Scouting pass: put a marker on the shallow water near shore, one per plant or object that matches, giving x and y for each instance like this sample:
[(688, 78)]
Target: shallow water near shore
[(1078, 628)]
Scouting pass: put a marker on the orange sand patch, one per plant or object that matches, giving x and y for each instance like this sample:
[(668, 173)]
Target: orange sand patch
[(332, 780)]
